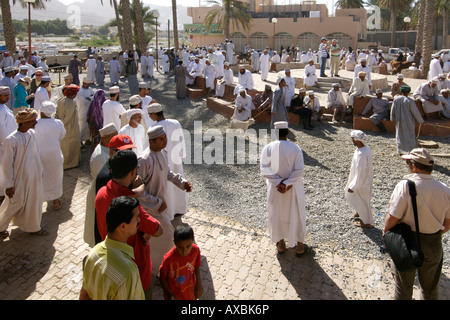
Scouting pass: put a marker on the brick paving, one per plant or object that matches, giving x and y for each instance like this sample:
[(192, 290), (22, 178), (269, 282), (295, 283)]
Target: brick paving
[(238, 263)]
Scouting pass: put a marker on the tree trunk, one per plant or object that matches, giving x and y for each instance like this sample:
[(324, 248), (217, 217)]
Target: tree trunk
[(444, 28), (8, 28), (420, 26), (175, 25), (127, 29), (393, 25), (427, 37), (119, 24), (142, 43)]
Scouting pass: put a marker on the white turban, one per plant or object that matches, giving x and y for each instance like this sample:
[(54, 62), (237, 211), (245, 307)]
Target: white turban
[(110, 128), (132, 112), (48, 108), (358, 135)]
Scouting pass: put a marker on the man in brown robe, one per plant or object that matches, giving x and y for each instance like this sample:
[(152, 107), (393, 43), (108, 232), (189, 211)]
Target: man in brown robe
[(66, 111)]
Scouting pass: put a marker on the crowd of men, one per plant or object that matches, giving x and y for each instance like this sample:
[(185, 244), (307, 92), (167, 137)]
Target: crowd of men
[(136, 165)]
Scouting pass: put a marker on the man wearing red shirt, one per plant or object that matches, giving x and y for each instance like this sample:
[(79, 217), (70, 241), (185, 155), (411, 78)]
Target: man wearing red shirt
[(123, 168)]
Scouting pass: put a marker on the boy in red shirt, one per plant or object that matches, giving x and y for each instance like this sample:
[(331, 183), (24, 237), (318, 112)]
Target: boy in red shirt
[(180, 268)]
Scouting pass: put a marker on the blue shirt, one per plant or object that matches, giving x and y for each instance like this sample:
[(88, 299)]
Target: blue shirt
[(20, 95)]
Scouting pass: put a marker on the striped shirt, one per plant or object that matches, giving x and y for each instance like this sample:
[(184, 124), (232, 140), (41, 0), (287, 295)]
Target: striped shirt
[(111, 274)]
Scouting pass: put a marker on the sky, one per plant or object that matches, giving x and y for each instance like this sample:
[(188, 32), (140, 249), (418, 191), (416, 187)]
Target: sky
[(195, 3)]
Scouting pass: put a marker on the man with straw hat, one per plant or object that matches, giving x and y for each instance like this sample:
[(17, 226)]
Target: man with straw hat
[(21, 176)]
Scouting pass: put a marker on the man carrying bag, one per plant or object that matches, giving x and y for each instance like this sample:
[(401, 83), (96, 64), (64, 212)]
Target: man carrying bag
[(433, 212)]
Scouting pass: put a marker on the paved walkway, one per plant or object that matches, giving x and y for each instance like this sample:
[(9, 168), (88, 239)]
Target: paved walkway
[(237, 263)]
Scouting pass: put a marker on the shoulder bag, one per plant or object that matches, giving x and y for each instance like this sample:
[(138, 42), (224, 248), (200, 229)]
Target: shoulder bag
[(401, 244)]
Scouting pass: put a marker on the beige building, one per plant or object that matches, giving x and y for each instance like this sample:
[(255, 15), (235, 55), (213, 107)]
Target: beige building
[(302, 25)]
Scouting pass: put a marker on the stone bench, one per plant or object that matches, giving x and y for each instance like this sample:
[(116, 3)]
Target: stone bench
[(431, 127)]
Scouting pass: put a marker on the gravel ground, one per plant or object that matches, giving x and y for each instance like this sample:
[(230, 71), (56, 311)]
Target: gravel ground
[(238, 191)]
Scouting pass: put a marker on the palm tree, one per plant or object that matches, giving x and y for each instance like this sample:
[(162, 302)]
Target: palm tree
[(443, 8), (8, 28), (127, 28), (231, 13), (148, 19), (175, 24), (349, 4), (395, 6), (420, 26), (427, 43), (139, 25), (114, 4)]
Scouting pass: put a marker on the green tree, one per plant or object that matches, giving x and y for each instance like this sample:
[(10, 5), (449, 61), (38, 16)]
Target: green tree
[(350, 4), (148, 19), (232, 13), (396, 7), (443, 9), (8, 27), (115, 5)]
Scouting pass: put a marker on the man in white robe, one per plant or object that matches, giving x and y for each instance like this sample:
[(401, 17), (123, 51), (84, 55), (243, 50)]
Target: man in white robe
[(443, 83), (220, 63), (144, 93), (226, 80), (49, 133), (336, 103), (428, 93), (276, 58), (364, 68), (21, 176), (210, 75), (444, 98), (135, 130), (230, 52), (99, 157), (83, 100), (435, 68), (255, 60), (112, 108), (196, 71), (405, 113), (41, 93), (150, 65), (165, 62), (310, 77), (68, 80), (114, 71), (282, 165), (358, 190), (264, 62), (244, 106), (177, 199), (144, 64), (8, 122), (153, 168), (359, 88), (245, 80), (289, 88), (91, 64)]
